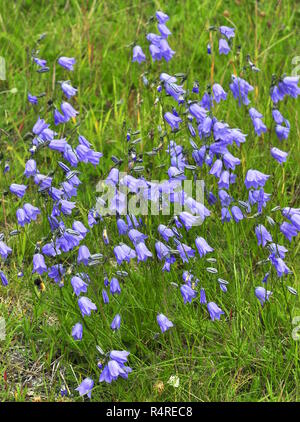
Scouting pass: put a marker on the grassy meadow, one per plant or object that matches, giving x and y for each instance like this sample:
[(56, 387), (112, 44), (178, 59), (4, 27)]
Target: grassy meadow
[(250, 354)]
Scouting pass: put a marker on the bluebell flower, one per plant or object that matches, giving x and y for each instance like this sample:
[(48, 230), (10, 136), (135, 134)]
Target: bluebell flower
[(279, 155), (225, 214), (80, 228), (22, 217), (116, 322), (77, 331), (165, 232), (216, 168), (202, 246), (86, 306), (164, 30), (155, 39), (58, 144), (185, 251), (87, 384), (237, 213), (161, 17), (3, 278), (39, 126), (68, 89), (166, 51), (18, 190), (198, 112), (59, 118), (255, 179), (56, 272), (282, 132), (66, 206), (40, 62), (136, 236), (113, 177), (188, 219), (240, 89), (68, 110), (227, 31), (202, 296), (39, 265), (142, 252), (214, 311), (123, 253), (262, 294), (162, 251), (49, 249), (30, 168), (187, 293), (83, 255), (163, 322), (208, 48), (224, 180), (79, 286), (223, 46), (138, 54), (279, 265), (295, 220), (66, 62), (32, 98), (230, 161), (262, 234), (115, 286), (155, 52), (172, 120), (105, 297), (277, 250), (218, 93)]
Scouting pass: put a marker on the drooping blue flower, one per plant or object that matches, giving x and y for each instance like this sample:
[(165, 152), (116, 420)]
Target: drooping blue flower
[(240, 89), (83, 255), (262, 234), (214, 311), (255, 179), (77, 331), (22, 217), (66, 62), (227, 31), (18, 190), (172, 120), (165, 232), (79, 286), (161, 17), (32, 98), (202, 246), (3, 278), (218, 93), (87, 384), (142, 252), (223, 46), (164, 30), (237, 213), (279, 155), (166, 51), (187, 293), (262, 294), (163, 322), (68, 111), (115, 286), (138, 55), (86, 306), (105, 297), (279, 265), (116, 322), (185, 251), (202, 296), (56, 272), (68, 89), (39, 265)]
